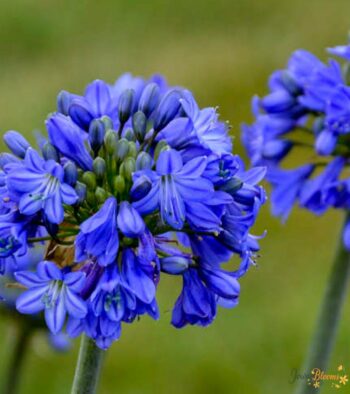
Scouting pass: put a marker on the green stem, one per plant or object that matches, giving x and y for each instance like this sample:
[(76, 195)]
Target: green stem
[(17, 356), (88, 368), (323, 339)]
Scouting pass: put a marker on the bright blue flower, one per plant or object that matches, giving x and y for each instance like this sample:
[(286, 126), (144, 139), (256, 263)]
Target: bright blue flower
[(98, 237), (39, 185), (54, 291), (176, 187), (196, 303), (211, 133)]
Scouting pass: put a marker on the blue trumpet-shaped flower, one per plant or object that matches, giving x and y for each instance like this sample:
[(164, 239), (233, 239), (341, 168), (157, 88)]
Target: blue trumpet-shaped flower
[(98, 237), (176, 187), (37, 185), (54, 291)]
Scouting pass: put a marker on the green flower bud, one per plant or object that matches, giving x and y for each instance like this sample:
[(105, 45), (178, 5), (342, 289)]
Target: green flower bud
[(139, 124), (144, 161), (132, 150), (119, 184), (91, 198), (129, 135), (101, 195), (110, 142), (107, 121), (122, 148), (129, 167), (99, 167), (89, 178)]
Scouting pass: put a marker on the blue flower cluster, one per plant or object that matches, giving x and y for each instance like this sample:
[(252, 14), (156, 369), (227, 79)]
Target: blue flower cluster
[(133, 181), (308, 107)]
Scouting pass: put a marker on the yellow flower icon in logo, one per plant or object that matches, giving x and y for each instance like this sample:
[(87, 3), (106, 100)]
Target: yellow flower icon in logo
[(343, 379)]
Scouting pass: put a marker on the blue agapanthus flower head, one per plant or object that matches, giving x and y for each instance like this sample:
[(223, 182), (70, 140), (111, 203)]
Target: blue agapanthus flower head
[(308, 108), (135, 181)]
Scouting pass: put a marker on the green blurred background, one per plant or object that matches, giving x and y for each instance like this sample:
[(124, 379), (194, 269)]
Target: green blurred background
[(224, 52)]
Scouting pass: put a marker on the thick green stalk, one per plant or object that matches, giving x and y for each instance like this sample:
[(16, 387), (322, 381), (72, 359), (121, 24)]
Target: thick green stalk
[(16, 359), (323, 339), (88, 368)]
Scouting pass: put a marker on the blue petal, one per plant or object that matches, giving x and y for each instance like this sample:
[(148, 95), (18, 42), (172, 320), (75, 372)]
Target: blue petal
[(29, 279), (48, 271), (98, 95), (142, 286), (169, 162), (75, 280), (75, 306), (68, 194), (55, 315), (130, 221), (30, 301)]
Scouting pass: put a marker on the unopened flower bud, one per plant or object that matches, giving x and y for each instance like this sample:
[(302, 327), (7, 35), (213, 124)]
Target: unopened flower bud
[(6, 158), (89, 178), (125, 105), (129, 135), (107, 121), (64, 99), (91, 198), (132, 152), (149, 99), (99, 167), (167, 109), (17, 144), (174, 265), (140, 188), (50, 152), (96, 134), (144, 161), (122, 148), (139, 124), (129, 167), (101, 195), (111, 142), (70, 173), (80, 113), (119, 184), (80, 189)]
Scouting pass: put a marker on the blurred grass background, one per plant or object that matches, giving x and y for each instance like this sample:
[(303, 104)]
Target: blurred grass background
[(224, 51)]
